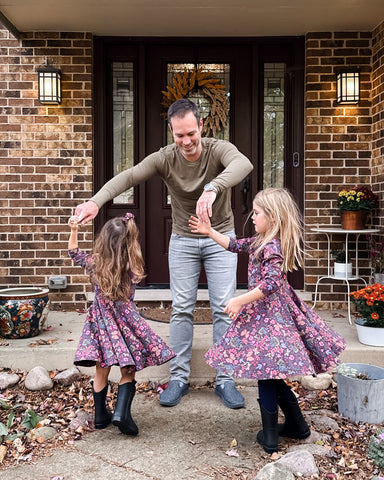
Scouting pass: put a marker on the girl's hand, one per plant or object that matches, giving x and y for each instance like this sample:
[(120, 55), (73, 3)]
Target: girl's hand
[(199, 226), (73, 222), (233, 307)]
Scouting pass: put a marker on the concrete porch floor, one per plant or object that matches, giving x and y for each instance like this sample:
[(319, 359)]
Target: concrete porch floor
[(55, 346)]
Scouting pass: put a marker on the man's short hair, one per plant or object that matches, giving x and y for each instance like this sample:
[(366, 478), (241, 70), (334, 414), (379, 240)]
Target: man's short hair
[(180, 108)]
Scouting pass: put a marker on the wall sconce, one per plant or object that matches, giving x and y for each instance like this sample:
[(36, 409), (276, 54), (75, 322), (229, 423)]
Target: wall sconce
[(348, 87), (49, 85)]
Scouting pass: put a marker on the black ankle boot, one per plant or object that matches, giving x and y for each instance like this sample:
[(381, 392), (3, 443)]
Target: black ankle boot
[(268, 437), (102, 415), (122, 415), (295, 425)]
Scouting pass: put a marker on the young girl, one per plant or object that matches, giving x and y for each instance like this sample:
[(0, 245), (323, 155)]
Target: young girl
[(274, 335), (114, 333)]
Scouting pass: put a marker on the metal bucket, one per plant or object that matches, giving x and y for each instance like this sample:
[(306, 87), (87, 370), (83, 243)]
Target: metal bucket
[(21, 311), (361, 400)]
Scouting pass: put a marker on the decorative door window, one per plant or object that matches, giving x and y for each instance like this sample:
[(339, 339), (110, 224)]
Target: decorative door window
[(205, 100), (123, 92), (274, 98)]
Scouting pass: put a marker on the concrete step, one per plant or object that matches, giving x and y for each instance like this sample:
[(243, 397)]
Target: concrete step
[(54, 348)]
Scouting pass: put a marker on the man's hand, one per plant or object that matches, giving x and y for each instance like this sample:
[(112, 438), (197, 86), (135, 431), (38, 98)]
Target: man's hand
[(86, 211), (198, 226), (204, 206)]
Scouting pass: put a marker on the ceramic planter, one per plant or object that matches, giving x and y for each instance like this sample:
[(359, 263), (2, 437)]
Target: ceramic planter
[(379, 278), (339, 270), (370, 335), (361, 400), (21, 311)]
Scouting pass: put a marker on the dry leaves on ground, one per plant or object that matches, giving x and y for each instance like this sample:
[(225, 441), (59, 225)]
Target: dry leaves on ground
[(57, 407)]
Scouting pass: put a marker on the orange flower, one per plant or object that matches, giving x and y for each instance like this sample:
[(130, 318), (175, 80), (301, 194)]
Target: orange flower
[(375, 316)]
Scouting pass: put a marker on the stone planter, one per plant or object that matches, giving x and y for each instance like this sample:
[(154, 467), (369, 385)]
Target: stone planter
[(21, 311), (361, 400)]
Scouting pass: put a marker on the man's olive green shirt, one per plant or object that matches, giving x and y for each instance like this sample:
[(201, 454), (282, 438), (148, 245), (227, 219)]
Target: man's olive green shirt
[(220, 163)]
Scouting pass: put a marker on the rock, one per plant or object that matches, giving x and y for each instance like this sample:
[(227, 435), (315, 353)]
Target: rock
[(38, 379), (312, 448), (67, 377), (316, 437), (41, 434), (321, 382), (82, 419), (300, 463), (274, 471), (323, 422), (8, 380)]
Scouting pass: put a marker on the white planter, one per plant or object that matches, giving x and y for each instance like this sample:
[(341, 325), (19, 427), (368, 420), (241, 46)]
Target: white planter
[(339, 270), (370, 335), (361, 400)]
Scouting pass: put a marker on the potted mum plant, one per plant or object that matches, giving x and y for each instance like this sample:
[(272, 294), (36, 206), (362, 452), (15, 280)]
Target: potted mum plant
[(369, 302), (354, 205)]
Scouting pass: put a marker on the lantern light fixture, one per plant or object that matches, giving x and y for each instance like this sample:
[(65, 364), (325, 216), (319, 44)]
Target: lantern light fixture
[(348, 87), (49, 85)]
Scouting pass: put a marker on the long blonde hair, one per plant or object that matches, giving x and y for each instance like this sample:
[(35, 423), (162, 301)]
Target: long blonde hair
[(118, 259), (284, 222)]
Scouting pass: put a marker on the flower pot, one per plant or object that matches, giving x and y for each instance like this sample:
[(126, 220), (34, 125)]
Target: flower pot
[(373, 336), (339, 270), (21, 311), (379, 278), (351, 220), (361, 400)]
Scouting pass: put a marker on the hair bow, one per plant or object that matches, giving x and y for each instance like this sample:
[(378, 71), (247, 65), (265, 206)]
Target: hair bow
[(128, 216)]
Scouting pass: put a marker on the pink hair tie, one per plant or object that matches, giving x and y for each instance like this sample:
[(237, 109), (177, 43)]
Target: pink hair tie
[(128, 216)]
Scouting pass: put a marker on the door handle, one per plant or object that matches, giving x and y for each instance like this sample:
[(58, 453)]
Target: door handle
[(245, 188), (296, 159)]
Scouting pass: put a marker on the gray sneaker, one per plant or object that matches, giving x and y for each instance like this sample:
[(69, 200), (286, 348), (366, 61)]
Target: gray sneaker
[(229, 395), (171, 396)]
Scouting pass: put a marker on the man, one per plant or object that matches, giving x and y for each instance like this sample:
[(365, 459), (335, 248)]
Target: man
[(199, 173)]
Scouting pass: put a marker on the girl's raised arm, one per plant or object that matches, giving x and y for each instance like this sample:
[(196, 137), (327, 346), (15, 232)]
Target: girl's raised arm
[(198, 226), (73, 223)]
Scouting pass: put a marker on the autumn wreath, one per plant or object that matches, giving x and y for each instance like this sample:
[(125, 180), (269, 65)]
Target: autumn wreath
[(210, 86)]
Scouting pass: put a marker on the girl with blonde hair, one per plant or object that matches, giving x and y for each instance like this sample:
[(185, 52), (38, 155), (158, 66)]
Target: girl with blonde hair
[(274, 335), (114, 332)]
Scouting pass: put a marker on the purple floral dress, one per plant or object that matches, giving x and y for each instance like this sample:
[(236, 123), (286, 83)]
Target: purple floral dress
[(276, 337), (114, 333)]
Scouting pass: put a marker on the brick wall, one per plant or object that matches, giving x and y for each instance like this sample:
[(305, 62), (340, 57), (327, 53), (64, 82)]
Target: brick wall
[(338, 145), (45, 160)]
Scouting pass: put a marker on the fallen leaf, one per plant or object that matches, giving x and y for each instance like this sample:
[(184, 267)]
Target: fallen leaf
[(3, 452), (233, 443), (232, 453)]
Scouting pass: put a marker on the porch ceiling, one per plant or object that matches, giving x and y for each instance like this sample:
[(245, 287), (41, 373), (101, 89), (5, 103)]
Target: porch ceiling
[(194, 17)]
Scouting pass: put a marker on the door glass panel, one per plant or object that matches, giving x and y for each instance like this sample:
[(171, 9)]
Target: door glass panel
[(123, 123), (218, 70), (274, 96)]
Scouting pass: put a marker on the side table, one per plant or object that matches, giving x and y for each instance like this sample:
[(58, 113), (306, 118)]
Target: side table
[(328, 231)]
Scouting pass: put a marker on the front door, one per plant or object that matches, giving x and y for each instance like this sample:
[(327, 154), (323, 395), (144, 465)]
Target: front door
[(264, 86)]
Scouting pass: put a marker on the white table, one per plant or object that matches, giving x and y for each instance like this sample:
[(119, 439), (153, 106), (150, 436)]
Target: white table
[(329, 231)]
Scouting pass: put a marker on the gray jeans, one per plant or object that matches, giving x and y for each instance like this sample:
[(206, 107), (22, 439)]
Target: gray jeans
[(186, 256)]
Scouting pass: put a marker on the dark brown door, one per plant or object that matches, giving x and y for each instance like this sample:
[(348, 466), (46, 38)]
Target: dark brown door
[(265, 84)]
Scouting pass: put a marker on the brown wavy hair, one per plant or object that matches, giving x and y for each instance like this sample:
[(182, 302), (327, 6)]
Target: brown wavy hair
[(284, 222), (118, 259)]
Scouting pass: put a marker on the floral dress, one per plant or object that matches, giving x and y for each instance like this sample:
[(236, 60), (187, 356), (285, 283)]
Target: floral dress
[(278, 336), (114, 333)]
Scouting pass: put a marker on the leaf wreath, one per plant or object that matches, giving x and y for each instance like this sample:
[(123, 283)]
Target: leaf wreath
[(210, 86)]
